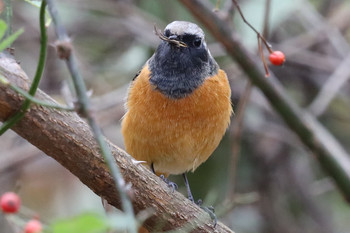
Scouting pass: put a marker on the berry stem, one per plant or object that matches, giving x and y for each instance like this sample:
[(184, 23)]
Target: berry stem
[(261, 52), (267, 45)]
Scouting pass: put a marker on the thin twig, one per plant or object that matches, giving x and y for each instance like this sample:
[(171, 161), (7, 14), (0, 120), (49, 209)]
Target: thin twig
[(261, 52), (260, 37), (39, 71), (268, 46), (37, 101), (68, 56)]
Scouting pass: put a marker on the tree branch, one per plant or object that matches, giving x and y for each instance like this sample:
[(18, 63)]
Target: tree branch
[(67, 138), (330, 154)]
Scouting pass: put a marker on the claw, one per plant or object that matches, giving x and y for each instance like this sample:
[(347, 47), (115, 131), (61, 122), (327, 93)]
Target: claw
[(170, 184), (211, 211)]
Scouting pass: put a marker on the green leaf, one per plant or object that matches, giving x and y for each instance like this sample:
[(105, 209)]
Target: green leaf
[(3, 28), (9, 40), (84, 223)]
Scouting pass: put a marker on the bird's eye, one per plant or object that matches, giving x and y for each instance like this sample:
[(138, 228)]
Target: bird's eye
[(167, 33), (197, 42)]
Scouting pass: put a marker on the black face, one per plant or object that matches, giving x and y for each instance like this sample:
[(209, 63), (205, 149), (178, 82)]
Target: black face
[(177, 71), (195, 46), (191, 40)]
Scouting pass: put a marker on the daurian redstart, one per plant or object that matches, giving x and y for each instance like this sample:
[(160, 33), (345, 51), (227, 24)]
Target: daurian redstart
[(178, 106)]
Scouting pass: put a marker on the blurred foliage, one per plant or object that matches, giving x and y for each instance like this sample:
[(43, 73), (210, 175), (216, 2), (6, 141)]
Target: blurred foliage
[(278, 187), (6, 42), (87, 223)]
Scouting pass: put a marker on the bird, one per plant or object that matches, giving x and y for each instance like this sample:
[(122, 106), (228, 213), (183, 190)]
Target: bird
[(178, 106)]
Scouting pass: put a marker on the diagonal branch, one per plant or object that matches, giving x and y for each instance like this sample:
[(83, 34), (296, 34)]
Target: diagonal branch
[(69, 140), (329, 153)]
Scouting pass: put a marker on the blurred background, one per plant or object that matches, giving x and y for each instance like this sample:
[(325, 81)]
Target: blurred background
[(273, 184)]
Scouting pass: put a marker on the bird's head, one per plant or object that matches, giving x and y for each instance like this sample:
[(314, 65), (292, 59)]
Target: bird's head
[(182, 61)]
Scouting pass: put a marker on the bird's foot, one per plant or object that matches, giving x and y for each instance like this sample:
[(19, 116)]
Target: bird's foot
[(170, 184), (209, 209)]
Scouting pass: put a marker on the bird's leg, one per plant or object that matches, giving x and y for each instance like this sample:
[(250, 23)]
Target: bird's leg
[(189, 193), (170, 184), (152, 169), (209, 209)]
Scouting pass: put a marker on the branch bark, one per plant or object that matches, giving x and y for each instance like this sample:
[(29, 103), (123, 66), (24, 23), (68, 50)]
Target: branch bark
[(68, 139), (329, 153)]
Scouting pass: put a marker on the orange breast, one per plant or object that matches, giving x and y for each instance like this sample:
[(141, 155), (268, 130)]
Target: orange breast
[(176, 135)]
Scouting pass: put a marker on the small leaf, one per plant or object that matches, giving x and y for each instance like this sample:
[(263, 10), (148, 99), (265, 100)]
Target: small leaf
[(84, 223), (9, 40), (3, 28)]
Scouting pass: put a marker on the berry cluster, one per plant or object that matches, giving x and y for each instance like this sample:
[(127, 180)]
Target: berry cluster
[(10, 203)]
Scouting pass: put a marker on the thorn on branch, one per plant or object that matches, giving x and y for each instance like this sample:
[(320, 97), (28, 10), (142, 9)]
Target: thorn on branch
[(137, 162)]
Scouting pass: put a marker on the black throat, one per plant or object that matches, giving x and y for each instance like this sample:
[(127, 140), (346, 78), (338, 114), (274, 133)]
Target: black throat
[(177, 71)]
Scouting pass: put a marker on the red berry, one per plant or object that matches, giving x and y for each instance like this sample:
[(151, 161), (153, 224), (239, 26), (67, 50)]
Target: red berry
[(277, 58), (33, 226), (10, 202)]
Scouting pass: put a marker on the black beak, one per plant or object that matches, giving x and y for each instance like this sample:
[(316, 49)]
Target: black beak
[(173, 37)]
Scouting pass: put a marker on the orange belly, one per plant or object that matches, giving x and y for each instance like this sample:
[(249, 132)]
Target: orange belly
[(176, 135)]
